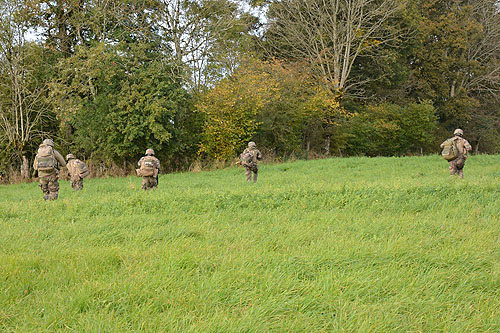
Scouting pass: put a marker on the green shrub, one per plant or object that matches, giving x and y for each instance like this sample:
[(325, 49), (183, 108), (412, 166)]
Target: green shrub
[(390, 129)]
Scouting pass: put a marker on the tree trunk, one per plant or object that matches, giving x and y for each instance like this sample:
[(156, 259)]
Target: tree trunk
[(68, 132), (476, 148), (25, 169), (327, 145)]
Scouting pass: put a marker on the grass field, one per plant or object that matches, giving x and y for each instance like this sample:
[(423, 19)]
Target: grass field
[(355, 244)]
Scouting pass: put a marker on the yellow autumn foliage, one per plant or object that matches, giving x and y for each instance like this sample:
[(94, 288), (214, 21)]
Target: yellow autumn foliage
[(232, 107)]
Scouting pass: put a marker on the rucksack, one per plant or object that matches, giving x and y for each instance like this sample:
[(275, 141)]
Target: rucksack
[(450, 150), (247, 158), (46, 160), (82, 168), (148, 167)]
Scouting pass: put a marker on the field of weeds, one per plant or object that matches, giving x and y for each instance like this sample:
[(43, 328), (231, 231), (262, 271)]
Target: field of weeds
[(354, 244)]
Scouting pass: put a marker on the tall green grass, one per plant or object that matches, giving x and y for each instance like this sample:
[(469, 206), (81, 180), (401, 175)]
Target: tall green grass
[(355, 244)]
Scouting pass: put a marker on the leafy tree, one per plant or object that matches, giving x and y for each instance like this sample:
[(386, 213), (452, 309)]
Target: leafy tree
[(59, 22), (117, 92), (451, 59), (276, 104), (230, 110), (207, 37), (483, 128), (24, 108), (389, 129), (456, 61), (119, 100)]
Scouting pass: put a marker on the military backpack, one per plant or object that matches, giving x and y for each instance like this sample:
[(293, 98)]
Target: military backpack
[(148, 167), (247, 158), (46, 159), (82, 169), (450, 150)]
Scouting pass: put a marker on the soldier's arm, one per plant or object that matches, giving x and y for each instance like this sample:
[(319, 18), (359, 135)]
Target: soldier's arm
[(60, 159), (158, 166), (259, 155), (140, 161), (69, 166), (467, 145), (442, 145)]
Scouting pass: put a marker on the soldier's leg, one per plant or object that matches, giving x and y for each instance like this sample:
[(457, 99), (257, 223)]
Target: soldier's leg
[(255, 173), (44, 185), (154, 183), (74, 183), (248, 173), (453, 168), (80, 184), (144, 183), (149, 183), (460, 167), (53, 187)]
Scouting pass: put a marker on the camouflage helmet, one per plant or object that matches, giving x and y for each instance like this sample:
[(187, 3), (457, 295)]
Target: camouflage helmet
[(458, 132), (48, 142), (70, 157), (252, 144), (150, 152)]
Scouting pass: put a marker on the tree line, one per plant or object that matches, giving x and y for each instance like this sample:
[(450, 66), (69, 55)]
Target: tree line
[(197, 79)]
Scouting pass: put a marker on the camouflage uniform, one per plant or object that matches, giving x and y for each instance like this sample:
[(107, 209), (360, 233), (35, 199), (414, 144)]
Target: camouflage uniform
[(150, 182), (252, 166), (76, 180), (49, 180), (457, 165)]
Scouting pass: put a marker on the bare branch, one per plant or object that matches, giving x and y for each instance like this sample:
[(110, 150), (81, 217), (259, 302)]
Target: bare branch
[(331, 34)]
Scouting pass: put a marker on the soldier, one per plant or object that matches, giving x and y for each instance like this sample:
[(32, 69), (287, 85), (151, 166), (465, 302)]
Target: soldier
[(48, 162), (249, 159), (77, 171), (462, 147), (149, 168)]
